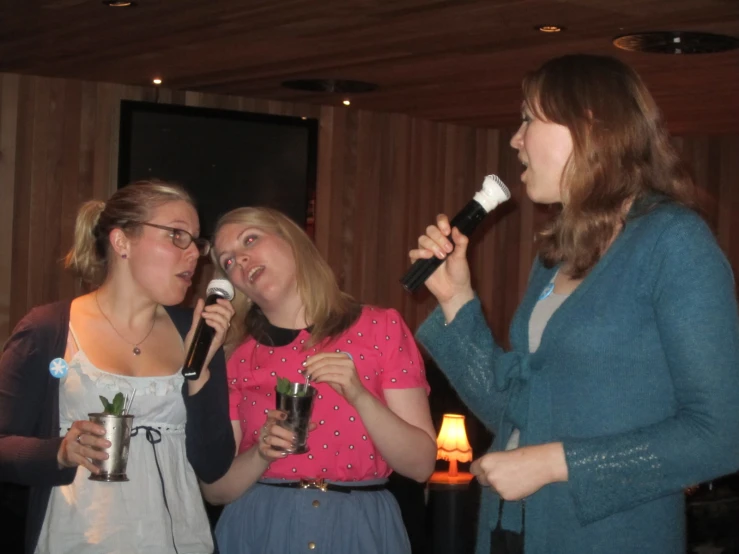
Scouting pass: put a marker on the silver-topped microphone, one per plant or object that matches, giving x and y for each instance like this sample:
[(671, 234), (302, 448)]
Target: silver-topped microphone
[(493, 193), (204, 333)]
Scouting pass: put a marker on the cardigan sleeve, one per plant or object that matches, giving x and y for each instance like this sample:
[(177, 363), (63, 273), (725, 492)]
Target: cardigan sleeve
[(209, 434), (209, 438), (696, 316), (25, 458), (466, 353)]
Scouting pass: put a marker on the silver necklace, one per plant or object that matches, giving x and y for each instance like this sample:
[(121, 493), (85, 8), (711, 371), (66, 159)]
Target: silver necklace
[(136, 349)]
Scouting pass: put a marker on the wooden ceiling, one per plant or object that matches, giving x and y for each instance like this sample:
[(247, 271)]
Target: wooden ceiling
[(446, 60)]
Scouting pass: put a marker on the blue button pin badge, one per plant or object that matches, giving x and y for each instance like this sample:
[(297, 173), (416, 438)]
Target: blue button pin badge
[(58, 368), (547, 291)]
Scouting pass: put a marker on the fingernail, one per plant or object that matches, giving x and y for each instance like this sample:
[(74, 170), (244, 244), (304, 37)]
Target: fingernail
[(304, 364), (283, 454)]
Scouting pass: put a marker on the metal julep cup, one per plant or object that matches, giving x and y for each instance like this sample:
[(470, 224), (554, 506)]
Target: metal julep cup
[(298, 410), (118, 432)]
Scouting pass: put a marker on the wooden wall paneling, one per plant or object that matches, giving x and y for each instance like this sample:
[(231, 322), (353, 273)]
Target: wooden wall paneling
[(714, 164), (9, 114), (347, 202), (367, 194), (506, 228), (382, 178), (68, 183), (395, 208), (51, 185), (405, 225), (21, 299), (696, 153), (329, 167), (421, 193), (484, 247), (728, 193), (374, 253)]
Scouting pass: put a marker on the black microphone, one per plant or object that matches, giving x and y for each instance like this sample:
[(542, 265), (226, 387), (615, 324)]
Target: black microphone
[(204, 333), (493, 192)]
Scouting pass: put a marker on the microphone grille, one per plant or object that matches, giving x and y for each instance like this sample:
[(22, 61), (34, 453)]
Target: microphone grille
[(493, 192), (221, 287), (503, 188)]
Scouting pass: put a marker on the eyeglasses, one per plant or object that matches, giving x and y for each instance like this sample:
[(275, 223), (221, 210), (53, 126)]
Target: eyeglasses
[(181, 238)]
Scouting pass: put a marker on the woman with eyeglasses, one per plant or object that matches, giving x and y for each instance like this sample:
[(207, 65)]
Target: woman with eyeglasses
[(138, 252)]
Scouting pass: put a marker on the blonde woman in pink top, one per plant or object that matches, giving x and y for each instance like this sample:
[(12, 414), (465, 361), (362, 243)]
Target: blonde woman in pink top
[(370, 417)]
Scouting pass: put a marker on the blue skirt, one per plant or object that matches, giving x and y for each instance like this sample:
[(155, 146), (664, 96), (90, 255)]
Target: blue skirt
[(274, 520)]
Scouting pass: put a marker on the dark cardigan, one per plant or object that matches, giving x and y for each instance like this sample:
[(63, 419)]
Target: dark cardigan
[(29, 412)]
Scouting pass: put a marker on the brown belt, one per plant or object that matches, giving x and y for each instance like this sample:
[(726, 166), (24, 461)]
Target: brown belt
[(323, 485)]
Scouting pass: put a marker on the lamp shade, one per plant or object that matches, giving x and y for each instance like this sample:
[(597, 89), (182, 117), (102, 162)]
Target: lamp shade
[(452, 444)]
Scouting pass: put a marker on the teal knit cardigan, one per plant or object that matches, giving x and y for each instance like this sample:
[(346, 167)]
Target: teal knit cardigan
[(637, 375)]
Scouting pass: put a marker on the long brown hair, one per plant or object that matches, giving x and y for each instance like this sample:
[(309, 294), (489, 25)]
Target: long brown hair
[(89, 257), (621, 153), (329, 310)]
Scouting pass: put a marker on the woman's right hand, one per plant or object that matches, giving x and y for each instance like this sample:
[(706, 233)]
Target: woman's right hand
[(450, 284), (83, 443), (272, 435)]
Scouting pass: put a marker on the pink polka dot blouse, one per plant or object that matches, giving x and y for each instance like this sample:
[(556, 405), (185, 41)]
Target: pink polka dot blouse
[(386, 357)]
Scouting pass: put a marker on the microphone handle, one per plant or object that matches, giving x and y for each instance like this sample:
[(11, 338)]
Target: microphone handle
[(466, 221), (201, 342)]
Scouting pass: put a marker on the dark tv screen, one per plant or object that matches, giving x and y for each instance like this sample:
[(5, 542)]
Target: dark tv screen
[(225, 159)]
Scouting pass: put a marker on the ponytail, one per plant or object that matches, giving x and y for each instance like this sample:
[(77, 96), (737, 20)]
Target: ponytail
[(88, 255)]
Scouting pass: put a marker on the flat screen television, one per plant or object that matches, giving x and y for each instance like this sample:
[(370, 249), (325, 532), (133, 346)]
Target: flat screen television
[(225, 159)]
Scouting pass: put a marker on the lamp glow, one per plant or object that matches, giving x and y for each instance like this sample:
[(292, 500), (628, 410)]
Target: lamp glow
[(452, 444)]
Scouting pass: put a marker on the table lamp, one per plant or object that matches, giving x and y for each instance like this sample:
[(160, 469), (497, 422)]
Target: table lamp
[(452, 445)]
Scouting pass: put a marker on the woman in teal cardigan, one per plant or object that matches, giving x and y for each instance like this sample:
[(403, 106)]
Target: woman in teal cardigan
[(621, 387)]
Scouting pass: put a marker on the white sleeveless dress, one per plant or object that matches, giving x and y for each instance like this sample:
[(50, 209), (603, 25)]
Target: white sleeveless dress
[(90, 517)]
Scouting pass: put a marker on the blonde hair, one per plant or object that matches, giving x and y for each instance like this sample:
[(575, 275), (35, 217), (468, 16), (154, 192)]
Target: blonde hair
[(329, 310), (621, 152), (89, 257)]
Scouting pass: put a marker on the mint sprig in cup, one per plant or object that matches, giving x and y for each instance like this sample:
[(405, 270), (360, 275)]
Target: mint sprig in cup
[(118, 424)]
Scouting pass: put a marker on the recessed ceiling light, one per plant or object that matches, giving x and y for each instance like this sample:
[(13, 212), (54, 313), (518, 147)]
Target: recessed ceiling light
[(119, 3), (346, 102), (676, 42), (549, 28), (157, 81)]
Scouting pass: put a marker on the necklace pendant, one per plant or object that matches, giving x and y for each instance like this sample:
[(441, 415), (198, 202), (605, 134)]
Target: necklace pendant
[(136, 351)]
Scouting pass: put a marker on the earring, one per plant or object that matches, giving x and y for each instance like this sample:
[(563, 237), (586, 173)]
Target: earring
[(124, 256)]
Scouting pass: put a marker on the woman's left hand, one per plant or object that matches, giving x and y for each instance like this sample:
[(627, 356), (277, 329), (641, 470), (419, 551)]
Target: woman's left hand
[(518, 473), (337, 370)]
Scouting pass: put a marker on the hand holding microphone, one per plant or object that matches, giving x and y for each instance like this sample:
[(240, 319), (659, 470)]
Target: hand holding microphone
[(438, 245), (213, 321), (445, 244)]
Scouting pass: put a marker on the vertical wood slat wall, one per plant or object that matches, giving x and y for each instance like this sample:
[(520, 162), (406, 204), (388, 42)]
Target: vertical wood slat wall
[(381, 179)]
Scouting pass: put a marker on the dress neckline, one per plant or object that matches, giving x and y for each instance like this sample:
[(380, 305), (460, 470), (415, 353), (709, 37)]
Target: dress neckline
[(273, 335)]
